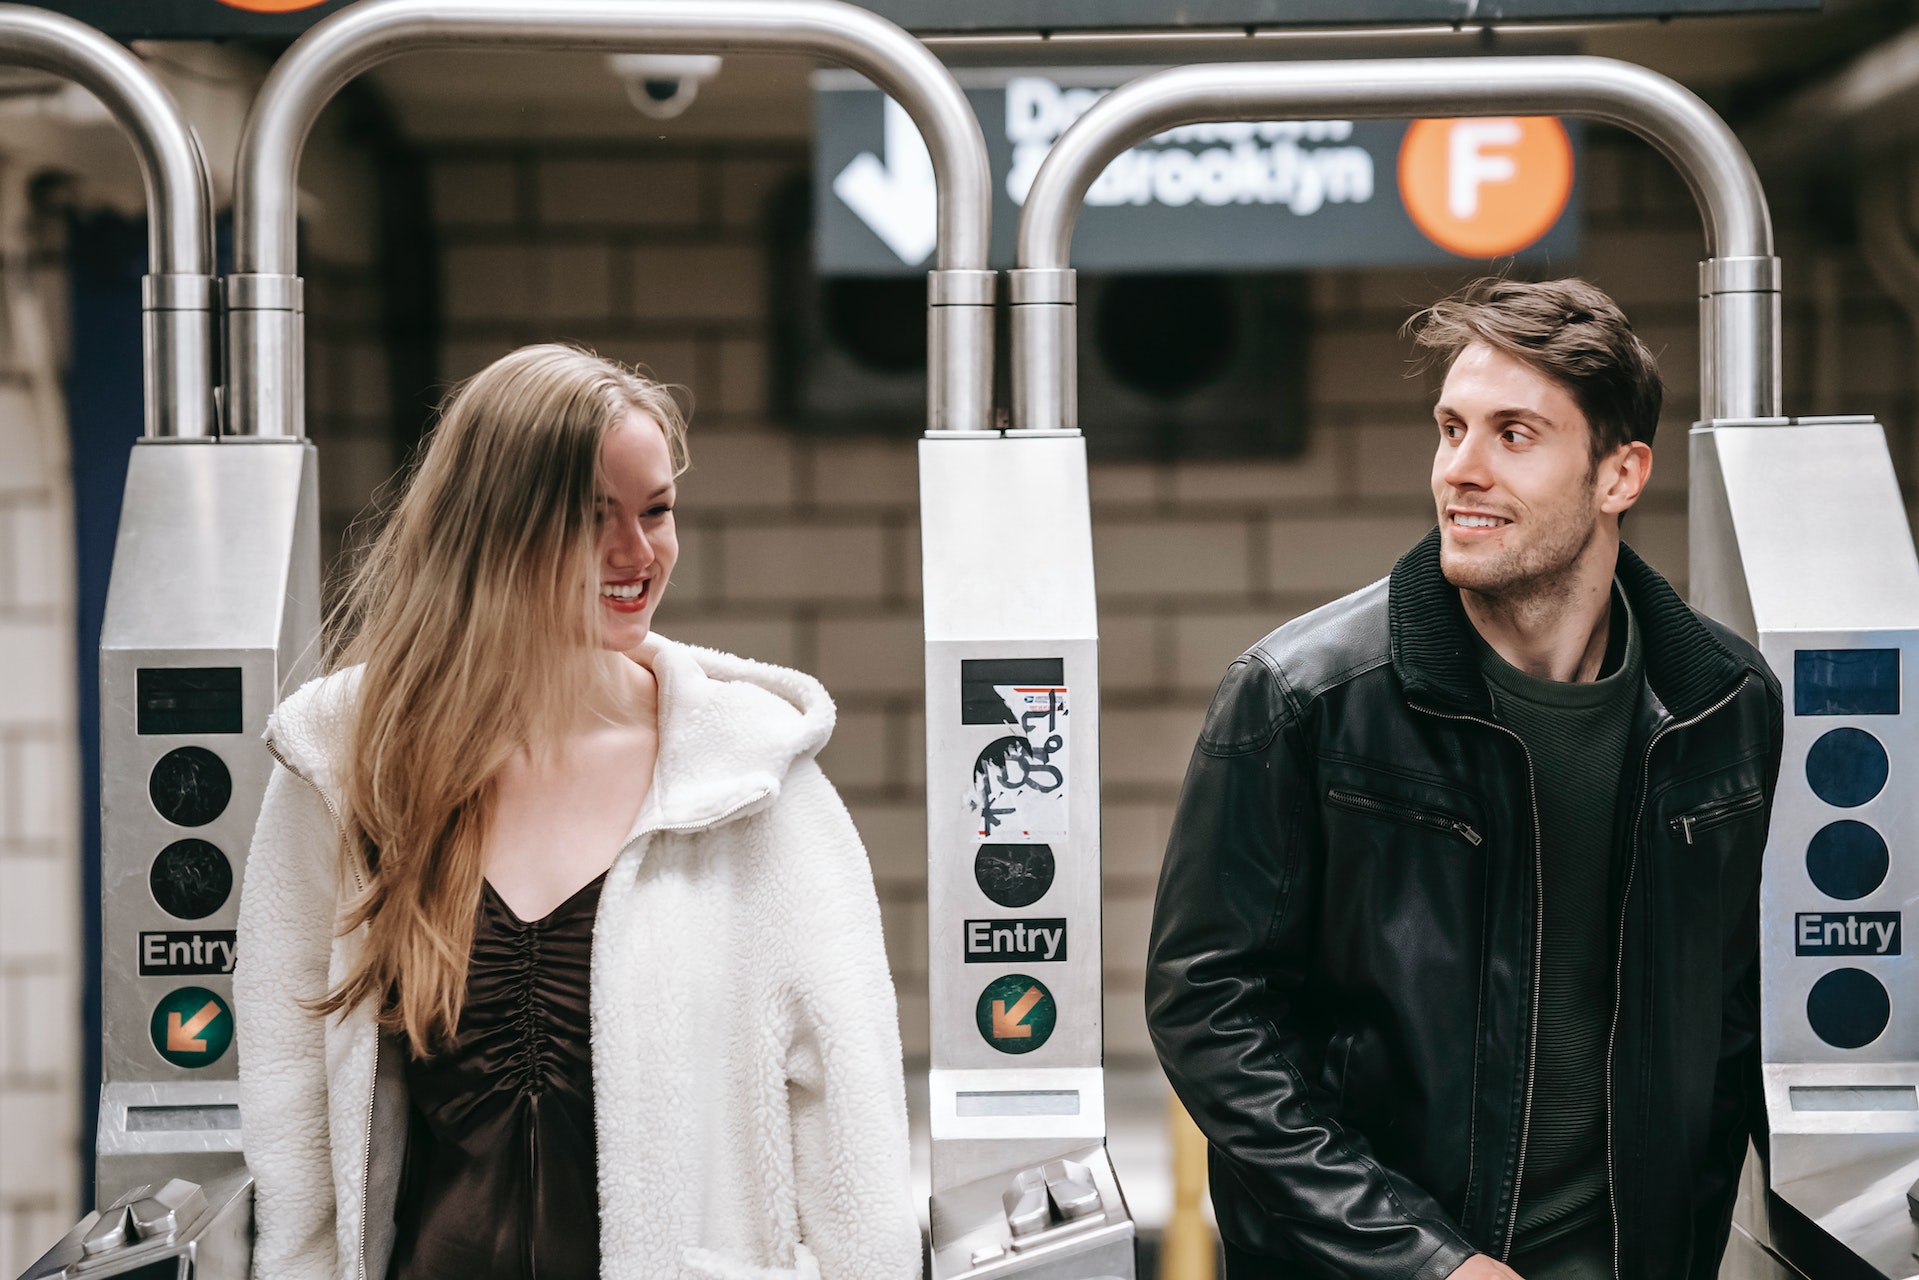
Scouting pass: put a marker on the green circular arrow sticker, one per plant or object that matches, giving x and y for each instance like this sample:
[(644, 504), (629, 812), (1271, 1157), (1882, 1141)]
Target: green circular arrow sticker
[(192, 1027), (1016, 1013)]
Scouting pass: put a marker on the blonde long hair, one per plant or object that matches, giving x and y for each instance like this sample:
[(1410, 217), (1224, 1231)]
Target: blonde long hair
[(473, 612)]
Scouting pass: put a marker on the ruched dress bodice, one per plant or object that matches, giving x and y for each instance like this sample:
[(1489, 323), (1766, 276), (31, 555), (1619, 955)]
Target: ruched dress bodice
[(501, 1178)]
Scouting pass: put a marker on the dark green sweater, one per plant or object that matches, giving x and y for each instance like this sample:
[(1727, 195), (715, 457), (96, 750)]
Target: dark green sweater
[(1576, 735)]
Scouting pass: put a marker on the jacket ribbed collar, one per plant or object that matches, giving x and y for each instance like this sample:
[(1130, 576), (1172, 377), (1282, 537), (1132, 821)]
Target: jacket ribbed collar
[(1433, 655)]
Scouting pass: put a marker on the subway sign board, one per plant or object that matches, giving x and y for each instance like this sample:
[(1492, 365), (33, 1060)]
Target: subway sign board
[(1238, 15), (1239, 196), (196, 19), (213, 19)]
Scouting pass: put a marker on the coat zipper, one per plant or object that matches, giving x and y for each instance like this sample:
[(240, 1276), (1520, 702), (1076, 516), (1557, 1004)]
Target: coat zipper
[(366, 1133), (1619, 955), (1387, 809), (1708, 816), (1539, 947)]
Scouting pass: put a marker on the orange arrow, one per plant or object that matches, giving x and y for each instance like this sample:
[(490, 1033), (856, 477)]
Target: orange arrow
[(184, 1037), (1007, 1023)]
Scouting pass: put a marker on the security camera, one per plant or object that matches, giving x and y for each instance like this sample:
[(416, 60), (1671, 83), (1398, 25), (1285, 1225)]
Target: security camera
[(663, 85)]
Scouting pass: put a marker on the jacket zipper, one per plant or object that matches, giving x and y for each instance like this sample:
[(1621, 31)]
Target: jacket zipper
[(366, 1132), (1539, 947), (1708, 816), (1388, 809), (1619, 954)]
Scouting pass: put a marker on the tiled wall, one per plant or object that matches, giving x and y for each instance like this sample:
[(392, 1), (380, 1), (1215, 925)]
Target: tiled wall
[(40, 965), (804, 551)]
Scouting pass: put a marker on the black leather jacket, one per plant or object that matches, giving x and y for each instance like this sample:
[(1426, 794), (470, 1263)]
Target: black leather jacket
[(1345, 951)]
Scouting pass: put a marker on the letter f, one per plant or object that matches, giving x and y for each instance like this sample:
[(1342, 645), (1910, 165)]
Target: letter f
[(1469, 167)]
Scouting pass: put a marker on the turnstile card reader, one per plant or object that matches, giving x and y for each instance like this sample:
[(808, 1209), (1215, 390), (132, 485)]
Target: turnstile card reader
[(213, 614), (1800, 540), (1013, 862)]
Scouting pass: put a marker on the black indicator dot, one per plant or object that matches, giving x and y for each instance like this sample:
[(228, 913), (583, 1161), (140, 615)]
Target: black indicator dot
[(1848, 1008), (1847, 767), (1847, 860), (1014, 875), (190, 879), (190, 786)]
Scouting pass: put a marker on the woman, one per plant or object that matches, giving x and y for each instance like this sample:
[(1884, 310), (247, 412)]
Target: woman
[(534, 882)]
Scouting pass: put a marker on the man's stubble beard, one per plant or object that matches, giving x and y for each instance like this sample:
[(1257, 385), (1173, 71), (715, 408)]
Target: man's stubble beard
[(1526, 582)]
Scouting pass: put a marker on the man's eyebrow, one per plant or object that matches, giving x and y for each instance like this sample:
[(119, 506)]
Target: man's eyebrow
[(1513, 411)]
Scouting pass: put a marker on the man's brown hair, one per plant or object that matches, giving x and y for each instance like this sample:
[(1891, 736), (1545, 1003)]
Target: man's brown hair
[(1570, 331)]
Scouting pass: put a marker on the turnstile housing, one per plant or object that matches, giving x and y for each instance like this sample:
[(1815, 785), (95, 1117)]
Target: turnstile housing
[(1801, 542), (213, 613), (1013, 859)]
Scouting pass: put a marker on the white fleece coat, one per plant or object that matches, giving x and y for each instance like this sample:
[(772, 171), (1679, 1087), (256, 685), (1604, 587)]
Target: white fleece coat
[(746, 1058)]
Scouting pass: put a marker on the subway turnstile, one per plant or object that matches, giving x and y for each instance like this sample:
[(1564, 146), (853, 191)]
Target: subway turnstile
[(1021, 1182), (1800, 541), (213, 614)]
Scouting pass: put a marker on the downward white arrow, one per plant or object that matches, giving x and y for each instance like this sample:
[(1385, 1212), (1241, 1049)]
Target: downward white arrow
[(898, 199)]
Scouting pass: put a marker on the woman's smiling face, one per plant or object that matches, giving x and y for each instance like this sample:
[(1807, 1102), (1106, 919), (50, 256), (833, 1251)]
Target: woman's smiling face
[(637, 542)]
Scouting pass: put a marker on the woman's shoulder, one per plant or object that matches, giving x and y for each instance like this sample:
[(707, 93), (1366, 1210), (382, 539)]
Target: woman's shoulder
[(312, 725)]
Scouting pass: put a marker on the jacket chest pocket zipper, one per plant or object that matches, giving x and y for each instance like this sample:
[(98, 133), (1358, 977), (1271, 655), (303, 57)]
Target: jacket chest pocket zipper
[(1359, 802), (1708, 816)]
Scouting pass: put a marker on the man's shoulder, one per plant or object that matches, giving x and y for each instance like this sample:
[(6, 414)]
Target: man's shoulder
[(1330, 645), (1274, 680)]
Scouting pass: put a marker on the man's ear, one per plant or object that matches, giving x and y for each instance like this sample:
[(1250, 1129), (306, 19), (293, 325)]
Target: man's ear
[(1622, 477)]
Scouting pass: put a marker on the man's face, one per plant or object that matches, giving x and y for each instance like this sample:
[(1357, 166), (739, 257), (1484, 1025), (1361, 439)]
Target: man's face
[(1519, 497)]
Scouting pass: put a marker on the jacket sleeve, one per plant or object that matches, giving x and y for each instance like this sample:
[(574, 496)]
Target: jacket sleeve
[(1231, 948), (1738, 1098), (285, 938), (846, 1087)]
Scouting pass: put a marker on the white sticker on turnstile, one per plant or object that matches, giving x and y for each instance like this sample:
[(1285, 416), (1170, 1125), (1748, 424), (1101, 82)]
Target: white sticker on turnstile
[(1017, 793)]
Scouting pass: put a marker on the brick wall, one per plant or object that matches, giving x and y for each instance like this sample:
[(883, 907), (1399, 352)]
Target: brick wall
[(40, 1035), (804, 551)]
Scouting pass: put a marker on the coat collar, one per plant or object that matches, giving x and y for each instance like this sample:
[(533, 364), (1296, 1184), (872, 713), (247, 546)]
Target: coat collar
[(730, 730), (1686, 665)]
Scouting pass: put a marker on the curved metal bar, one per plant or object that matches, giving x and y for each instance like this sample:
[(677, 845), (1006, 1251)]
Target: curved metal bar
[(1665, 113), (179, 287), (179, 201), (265, 390), (1739, 284), (355, 39)]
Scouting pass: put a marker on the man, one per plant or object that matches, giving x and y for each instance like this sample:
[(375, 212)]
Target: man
[(1455, 954)]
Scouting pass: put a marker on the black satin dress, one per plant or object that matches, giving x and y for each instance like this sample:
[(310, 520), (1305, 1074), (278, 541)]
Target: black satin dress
[(501, 1177)]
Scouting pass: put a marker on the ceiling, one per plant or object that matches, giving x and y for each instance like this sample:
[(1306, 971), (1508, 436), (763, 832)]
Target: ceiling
[(1739, 63)]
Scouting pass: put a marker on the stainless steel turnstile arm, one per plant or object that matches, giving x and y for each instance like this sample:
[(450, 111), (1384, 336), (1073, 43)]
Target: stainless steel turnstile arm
[(178, 292), (1739, 283), (264, 292)]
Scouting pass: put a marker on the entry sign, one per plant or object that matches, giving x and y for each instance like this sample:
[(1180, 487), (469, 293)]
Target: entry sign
[(192, 1027), (1234, 196)]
